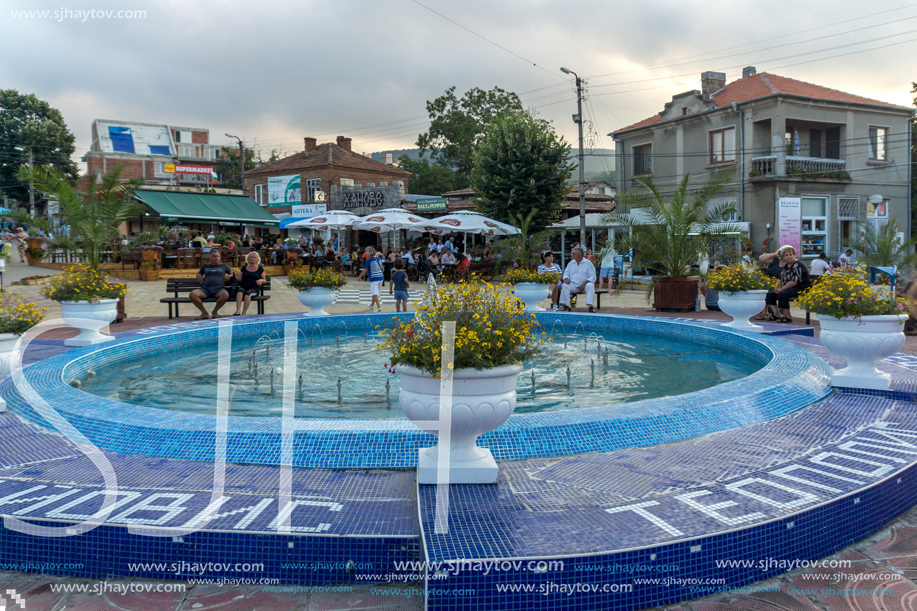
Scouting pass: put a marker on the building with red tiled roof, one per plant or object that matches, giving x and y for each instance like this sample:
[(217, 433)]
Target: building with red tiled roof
[(810, 164), (331, 169)]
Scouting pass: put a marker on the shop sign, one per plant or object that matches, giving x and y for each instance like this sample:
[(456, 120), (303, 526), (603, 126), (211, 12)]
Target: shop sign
[(432, 204)]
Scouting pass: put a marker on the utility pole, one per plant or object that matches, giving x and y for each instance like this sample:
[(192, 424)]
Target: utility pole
[(578, 119), (241, 159)]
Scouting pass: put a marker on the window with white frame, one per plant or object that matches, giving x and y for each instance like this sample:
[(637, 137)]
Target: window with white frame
[(313, 186), (878, 137), (347, 182), (643, 159), (261, 194), (814, 212), (877, 215), (723, 145)]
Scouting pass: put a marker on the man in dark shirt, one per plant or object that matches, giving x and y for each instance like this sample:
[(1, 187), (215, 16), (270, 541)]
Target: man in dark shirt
[(212, 278)]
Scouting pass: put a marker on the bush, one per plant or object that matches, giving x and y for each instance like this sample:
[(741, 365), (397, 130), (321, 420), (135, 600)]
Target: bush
[(846, 293), (738, 278), (17, 316), (490, 330), (82, 283), (522, 274), (317, 278)]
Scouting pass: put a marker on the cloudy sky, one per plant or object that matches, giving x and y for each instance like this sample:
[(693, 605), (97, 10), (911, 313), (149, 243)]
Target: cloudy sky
[(273, 72)]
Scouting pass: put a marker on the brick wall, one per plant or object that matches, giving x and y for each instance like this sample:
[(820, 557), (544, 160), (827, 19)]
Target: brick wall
[(330, 176)]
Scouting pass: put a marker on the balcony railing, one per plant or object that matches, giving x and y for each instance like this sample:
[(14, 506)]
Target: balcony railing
[(767, 166), (199, 151)]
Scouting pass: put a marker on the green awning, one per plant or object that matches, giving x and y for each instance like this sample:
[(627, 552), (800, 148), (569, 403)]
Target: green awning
[(186, 207)]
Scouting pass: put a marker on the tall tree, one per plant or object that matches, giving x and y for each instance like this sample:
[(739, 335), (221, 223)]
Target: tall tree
[(427, 178), (458, 124), (33, 125), (521, 166)]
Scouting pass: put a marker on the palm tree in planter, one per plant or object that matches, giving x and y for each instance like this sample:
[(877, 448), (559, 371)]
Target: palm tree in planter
[(670, 236), (94, 218)]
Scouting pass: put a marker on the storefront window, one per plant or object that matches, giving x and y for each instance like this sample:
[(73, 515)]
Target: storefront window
[(814, 212)]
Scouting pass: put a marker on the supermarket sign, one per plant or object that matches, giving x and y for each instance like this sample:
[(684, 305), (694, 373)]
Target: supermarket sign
[(171, 168)]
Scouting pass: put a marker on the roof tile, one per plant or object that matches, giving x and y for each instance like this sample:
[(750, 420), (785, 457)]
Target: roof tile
[(324, 155)]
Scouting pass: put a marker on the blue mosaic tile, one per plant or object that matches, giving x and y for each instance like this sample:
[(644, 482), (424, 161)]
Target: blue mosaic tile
[(789, 380)]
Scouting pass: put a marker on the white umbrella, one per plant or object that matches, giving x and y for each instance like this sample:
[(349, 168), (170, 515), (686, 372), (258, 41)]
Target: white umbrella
[(332, 220), (468, 222), (390, 219)]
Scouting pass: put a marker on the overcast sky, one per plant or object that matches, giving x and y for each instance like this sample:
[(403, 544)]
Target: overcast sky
[(274, 72)]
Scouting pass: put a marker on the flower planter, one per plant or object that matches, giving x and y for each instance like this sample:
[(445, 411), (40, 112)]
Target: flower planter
[(89, 318), (862, 342), (481, 401), (7, 344), (316, 299), (530, 293), (149, 255), (742, 306), (149, 274), (675, 293)]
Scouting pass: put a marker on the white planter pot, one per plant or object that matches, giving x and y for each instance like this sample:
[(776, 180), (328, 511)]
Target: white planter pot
[(530, 293), (862, 342), (89, 318), (7, 345), (481, 401), (316, 299), (742, 306)]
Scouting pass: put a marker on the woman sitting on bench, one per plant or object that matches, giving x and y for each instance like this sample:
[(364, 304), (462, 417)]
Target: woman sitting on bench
[(793, 280), (250, 278)]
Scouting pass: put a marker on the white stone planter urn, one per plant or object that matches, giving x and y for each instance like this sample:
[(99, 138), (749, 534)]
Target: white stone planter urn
[(530, 293), (742, 306), (481, 401), (316, 299), (89, 318), (7, 345), (862, 341)]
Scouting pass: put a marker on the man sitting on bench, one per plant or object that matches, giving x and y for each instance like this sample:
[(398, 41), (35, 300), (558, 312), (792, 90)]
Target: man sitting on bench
[(579, 277), (212, 277)]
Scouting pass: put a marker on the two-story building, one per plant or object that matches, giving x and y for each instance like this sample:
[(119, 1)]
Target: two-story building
[(810, 165), (153, 152)]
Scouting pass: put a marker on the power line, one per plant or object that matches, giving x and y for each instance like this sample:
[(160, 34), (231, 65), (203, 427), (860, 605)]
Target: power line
[(502, 48)]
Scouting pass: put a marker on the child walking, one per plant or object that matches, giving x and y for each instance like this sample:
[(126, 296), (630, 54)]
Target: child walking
[(399, 286)]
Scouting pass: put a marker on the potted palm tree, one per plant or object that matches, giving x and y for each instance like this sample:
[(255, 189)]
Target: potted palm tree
[(670, 236), (88, 301)]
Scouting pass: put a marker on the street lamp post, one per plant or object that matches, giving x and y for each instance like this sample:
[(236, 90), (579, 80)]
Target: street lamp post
[(31, 184), (578, 119), (241, 159)]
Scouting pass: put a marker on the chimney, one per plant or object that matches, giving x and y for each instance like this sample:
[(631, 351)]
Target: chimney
[(344, 143), (711, 82), (749, 71), (310, 144), (388, 159)]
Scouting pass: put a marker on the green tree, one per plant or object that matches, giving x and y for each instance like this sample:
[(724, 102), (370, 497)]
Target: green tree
[(94, 217), (676, 232), (227, 167), (458, 124), (428, 178), (881, 248), (525, 247), (31, 124), (519, 167)]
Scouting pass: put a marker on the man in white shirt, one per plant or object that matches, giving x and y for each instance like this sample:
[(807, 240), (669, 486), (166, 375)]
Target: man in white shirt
[(846, 258), (579, 277), (819, 267), (407, 256)]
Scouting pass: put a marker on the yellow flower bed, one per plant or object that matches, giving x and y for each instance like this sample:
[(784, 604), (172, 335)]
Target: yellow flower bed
[(81, 283), (845, 292), (490, 330), (738, 278), (521, 274), (322, 278), (18, 316)]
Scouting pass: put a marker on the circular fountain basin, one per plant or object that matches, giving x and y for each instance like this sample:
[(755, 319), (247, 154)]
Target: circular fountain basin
[(788, 379)]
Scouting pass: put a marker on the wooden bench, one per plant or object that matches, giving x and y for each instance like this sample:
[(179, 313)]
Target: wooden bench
[(598, 297), (182, 287)]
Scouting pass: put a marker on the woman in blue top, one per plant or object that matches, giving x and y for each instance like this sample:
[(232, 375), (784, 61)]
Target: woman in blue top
[(548, 265), (374, 268)]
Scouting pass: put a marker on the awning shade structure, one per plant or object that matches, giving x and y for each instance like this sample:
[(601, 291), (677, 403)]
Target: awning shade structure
[(331, 220), (390, 219), (186, 207)]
